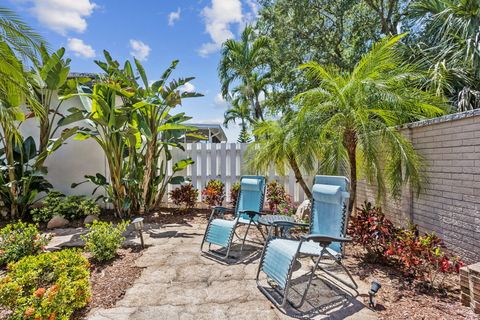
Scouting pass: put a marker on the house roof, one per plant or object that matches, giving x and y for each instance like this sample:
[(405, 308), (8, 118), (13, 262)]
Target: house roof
[(216, 130)]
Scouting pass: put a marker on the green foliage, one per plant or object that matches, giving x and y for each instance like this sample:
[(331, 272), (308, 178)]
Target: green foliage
[(18, 240), (104, 239), (240, 70), (135, 136), (355, 115), (234, 193), (70, 207), (51, 285), (186, 195), (214, 192)]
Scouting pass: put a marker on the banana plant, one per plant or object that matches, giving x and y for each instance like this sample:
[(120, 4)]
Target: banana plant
[(136, 134)]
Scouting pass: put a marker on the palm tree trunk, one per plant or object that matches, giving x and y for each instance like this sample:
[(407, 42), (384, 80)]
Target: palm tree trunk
[(299, 177), (350, 143)]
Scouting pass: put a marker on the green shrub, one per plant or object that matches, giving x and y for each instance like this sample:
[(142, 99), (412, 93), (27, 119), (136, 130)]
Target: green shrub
[(70, 207), (104, 239), (51, 285), (20, 239), (234, 193)]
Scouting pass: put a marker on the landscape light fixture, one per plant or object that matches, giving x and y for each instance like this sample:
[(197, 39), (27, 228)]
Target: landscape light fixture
[(138, 225), (373, 292)]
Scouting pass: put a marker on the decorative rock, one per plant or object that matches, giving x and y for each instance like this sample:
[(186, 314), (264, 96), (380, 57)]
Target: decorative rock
[(57, 222), (89, 219), (303, 210)]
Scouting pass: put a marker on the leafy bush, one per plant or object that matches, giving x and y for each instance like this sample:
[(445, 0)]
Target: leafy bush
[(20, 239), (214, 192), (422, 257), (51, 285), (185, 195), (278, 200), (104, 239), (370, 228), (234, 193), (70, 207)]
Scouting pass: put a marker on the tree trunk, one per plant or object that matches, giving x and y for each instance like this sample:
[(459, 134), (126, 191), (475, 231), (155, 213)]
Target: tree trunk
[(299, 177), (350, 143)]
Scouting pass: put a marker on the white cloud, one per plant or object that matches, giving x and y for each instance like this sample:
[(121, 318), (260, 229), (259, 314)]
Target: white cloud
[(63, 15), (174, 16), (187, 87), (220, 101), (80, 48), (140, 50), (218, 19)]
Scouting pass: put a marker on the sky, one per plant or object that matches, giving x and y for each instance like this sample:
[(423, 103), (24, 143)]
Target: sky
[(155, 32)]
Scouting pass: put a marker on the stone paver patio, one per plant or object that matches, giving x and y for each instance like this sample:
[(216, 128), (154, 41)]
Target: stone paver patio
[(179, 283)]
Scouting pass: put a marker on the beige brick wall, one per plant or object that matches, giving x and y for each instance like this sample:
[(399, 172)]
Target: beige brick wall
[(450, 203)]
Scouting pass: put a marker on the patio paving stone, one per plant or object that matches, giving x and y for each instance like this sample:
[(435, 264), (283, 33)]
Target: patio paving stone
[(179, 283)]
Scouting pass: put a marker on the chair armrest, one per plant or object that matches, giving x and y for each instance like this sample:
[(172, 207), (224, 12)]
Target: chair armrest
[(325, 239), (289, 224), (220, 211), (251, 213)]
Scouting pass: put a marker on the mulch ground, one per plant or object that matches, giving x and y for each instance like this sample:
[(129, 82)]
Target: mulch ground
[(402, 298), (111, 280)]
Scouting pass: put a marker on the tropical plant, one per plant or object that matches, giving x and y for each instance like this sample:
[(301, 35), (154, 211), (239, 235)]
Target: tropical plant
[(234, 193), (356, 114), (240, 65), (18, 36), (449, 47), (186, 195), (51, 285), (135, 135), (239, 110), (276, 145), (214, 192)]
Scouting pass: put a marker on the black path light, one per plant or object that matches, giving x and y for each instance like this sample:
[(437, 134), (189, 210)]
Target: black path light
[(373, 292), (138, 225)]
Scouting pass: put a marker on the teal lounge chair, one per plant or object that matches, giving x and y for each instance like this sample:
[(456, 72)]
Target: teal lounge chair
[(328, 222), (221, 232)]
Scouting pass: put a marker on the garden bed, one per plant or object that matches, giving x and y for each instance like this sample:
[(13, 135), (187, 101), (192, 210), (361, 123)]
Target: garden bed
[(402, 298), (111, 280)]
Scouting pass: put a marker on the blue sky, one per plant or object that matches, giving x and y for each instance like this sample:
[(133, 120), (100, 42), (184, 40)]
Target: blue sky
[(155, 31)]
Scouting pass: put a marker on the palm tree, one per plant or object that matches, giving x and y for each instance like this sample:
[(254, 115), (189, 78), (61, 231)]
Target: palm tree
[(277, 145), (240, 63), (239, 111), (450, 46), (356, 114), (18, 35)]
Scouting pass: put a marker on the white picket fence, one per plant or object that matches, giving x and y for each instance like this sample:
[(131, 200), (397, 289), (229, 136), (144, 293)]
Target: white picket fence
[(225, 161)]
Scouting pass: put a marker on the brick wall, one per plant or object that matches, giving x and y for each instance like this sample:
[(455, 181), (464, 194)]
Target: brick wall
[(450, 203)]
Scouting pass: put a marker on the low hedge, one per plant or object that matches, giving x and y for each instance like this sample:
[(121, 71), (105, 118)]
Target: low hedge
[(49, 286)]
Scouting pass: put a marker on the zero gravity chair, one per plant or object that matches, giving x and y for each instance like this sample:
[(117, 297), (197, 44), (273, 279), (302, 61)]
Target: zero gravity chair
[(221, 232), (328, 220)]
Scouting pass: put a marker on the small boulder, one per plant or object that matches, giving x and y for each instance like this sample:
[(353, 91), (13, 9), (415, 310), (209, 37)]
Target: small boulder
[(89, 219), (57, 222), (303, 210)]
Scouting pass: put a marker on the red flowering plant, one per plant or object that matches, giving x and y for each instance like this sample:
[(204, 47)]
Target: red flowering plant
[(372, 230), (278, 200), (214, 193), (184, 196)]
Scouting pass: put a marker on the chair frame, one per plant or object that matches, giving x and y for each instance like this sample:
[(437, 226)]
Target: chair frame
[(324, 241), (219, 212)]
